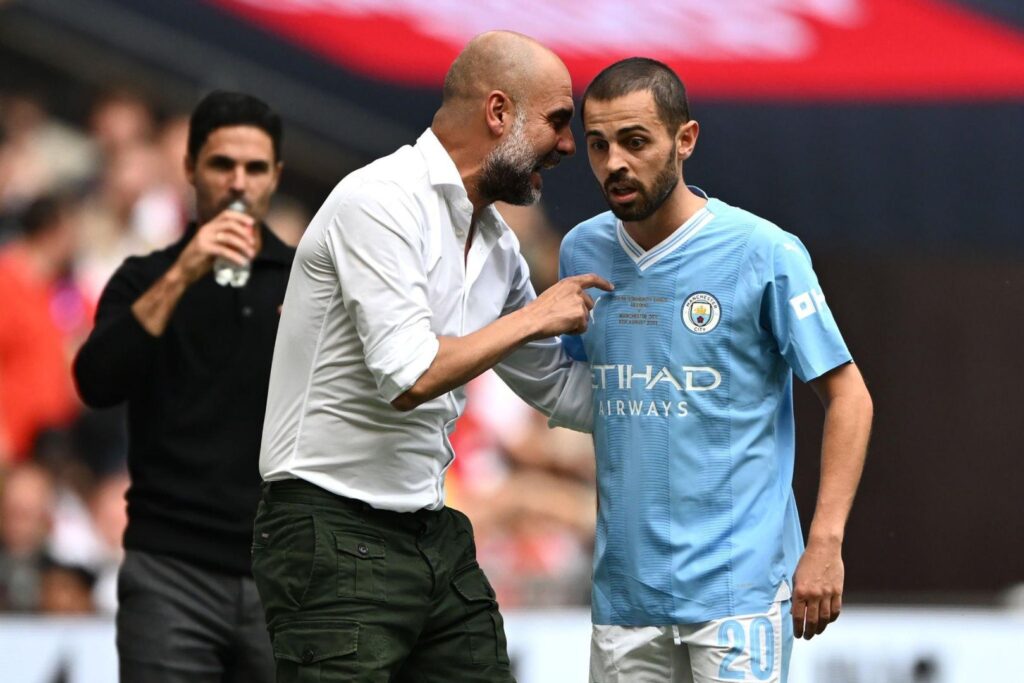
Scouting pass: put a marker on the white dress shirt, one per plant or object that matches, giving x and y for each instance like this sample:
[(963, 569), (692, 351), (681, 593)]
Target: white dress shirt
[(380, 273)]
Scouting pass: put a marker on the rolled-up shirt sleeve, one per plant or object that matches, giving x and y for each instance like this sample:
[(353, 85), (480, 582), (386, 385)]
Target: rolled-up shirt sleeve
[(377, 241), (543, 374)]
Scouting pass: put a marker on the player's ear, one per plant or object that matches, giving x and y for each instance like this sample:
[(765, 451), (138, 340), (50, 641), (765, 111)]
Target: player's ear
[(686, 139)]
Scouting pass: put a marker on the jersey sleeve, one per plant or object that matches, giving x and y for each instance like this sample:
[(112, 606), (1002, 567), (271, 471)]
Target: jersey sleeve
[(572, 343), (797, 315)]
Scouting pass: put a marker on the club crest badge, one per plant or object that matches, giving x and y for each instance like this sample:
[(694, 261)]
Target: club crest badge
[(701, 313)]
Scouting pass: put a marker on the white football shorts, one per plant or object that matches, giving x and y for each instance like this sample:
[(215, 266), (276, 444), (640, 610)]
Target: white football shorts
[(753, 648)]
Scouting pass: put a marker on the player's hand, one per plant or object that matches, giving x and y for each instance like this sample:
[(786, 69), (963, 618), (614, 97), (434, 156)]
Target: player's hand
[(231, 234), (818, 588), (564, 307)]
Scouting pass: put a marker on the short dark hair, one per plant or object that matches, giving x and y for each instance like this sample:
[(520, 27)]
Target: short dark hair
[(637, 74), (221, 108), (43, 213)]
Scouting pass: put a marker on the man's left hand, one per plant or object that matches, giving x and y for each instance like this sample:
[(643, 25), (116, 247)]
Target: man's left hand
[(818, 588)]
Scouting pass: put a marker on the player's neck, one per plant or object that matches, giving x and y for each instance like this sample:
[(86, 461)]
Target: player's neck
[(678, 208)]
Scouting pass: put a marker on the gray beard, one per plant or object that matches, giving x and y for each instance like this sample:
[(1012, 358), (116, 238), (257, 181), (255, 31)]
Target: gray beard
[(506, 171)]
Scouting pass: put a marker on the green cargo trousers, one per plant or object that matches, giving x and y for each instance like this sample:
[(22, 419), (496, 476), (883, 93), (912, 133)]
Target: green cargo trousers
[(354, 594)]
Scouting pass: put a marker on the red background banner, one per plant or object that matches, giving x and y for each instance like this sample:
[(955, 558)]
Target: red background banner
[(892, 50)]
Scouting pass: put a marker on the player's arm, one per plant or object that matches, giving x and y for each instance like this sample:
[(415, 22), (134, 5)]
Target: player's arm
[(818, 583)]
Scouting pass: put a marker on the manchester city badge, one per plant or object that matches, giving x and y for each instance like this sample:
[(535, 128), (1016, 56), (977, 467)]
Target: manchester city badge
[(701, 313)]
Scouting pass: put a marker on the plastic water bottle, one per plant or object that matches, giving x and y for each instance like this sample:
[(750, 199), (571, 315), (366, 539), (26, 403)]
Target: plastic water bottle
[(227, 272)]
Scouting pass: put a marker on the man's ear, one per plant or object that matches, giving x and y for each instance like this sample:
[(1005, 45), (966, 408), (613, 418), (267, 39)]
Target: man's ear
[(498, 109), (278, 167), (686, 139)]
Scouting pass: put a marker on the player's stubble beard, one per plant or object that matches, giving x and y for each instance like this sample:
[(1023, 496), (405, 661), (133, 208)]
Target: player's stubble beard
[(507, 169), (647, 202)]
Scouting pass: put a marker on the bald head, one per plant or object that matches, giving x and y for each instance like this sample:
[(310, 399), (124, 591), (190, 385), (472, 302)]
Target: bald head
[(505, 116), (498, 60)]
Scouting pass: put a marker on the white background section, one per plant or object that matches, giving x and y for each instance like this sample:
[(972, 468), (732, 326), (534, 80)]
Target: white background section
[(867, 645)]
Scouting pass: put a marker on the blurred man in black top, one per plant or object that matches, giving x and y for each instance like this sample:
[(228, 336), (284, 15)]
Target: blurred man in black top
[(192, 361)]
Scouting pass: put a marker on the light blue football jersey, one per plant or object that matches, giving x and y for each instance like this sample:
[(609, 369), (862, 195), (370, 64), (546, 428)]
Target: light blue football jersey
[(692, 358)]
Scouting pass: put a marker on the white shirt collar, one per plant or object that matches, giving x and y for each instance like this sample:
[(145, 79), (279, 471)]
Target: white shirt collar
[(440, 168), (445, 176)]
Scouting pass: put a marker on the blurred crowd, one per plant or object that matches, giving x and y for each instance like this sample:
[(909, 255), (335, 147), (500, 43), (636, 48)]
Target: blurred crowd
[(76, 199)]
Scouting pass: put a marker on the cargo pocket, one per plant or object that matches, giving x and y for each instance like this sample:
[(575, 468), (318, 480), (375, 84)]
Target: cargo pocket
[(284, 553), (316, 651), (361, 566), (484, 625)]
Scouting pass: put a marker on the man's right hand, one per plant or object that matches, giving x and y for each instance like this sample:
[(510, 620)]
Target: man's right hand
[(564, 308), (231, 235)]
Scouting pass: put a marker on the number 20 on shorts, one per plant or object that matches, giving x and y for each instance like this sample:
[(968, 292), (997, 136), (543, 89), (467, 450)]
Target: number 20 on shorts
[(761, 640)]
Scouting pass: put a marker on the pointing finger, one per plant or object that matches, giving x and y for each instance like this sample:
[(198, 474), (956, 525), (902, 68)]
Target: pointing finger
[(592, 280)]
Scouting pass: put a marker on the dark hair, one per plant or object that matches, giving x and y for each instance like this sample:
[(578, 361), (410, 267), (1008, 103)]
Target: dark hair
[(637, 74), (220, 108), (44, 213)]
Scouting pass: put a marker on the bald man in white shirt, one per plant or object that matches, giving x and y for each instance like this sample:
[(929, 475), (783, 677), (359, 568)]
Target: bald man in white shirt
[(406, 285)]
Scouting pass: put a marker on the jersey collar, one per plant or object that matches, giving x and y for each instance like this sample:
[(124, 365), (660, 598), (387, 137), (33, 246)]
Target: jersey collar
[(683, 234)]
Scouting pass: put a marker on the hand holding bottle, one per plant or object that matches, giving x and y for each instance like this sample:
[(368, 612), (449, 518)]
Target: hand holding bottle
[(226, 271), (228, 237)]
